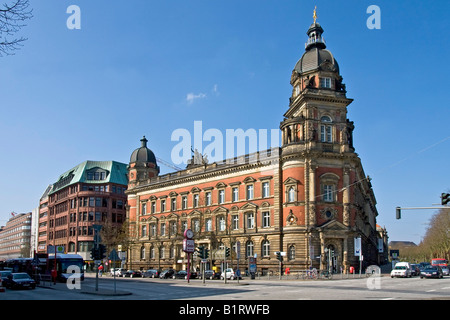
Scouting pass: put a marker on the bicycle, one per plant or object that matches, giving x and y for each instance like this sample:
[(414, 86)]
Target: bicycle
[(326, 274), (310, 274)]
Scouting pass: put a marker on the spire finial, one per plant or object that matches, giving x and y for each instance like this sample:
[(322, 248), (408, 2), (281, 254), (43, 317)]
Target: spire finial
[(315, 14), (144, 142)]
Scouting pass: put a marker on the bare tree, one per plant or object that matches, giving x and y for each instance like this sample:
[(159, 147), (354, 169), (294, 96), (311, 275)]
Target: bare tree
[(12, 19)]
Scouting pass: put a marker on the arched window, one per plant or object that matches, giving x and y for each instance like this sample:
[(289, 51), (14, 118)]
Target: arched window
[(326, 129), (142, 253), (249, 249), (291, 194), (291, 252), (265, 248)]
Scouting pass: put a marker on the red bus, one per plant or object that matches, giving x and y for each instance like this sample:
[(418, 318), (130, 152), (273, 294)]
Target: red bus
[(439, 262)]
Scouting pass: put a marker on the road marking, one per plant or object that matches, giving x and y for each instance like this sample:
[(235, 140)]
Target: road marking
[(431, 290), (388, 299)]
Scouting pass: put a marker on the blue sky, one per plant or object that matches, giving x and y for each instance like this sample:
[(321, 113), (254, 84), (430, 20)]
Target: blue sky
[(149, 67)]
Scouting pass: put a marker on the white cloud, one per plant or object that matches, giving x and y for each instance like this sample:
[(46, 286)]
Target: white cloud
[(190, 97)]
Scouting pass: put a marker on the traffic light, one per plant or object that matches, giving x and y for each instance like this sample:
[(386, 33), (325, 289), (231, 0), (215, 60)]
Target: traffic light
[(206, 253), (201, 252), (398, 213), (445, 198), (95, 254), (227, 252), (278, 253), (101, 252)]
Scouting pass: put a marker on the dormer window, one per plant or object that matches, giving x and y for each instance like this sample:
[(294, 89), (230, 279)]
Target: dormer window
[(96, 174)]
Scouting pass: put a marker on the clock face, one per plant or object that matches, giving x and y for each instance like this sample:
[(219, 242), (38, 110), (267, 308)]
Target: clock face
[(189, 233)]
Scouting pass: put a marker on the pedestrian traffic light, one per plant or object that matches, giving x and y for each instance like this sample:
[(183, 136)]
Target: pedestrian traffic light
[(201, 252), (398, 213), (445, 198), (227, 252), (278, 253)]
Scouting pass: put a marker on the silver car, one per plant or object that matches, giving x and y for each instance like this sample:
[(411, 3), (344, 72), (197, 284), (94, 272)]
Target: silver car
[(445, 270)]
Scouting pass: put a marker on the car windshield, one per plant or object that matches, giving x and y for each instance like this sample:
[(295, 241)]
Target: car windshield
[(400, 268), (21, 276), (431, 268)]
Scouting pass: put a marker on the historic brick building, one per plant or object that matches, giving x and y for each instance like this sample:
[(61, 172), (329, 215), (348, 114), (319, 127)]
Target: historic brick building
[(309, 196)]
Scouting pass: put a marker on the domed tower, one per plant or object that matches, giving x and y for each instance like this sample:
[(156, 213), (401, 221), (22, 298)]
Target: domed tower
[(318, 159), (142, 165)]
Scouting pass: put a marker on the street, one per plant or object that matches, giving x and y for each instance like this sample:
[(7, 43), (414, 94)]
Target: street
[(377, 288)]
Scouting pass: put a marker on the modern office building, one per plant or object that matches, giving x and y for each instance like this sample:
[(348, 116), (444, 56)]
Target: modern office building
[(15, 237)]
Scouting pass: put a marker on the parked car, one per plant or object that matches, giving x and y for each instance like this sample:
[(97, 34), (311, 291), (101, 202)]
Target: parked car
[(445, 270), (211, 274), (118, 271), (166, 274), (431, 272), (230, 274), (4, 275), (20, 280), (151, 273), (401, 271), (132, 274), (182, 274)]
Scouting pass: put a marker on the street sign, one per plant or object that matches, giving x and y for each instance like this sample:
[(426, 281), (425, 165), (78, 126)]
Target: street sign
[(188, 245), (357, 247)]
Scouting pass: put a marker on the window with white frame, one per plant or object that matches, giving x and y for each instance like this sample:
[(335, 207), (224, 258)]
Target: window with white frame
[(326, 129), (249, 192), (153, 207), (144, 231), (208, 224), (265, 248), (195, 200), (184, 200), (235, 222), (328, 193), (249, 249), (265, 189), (163, 229), (235, 194), (266, 219), (163, 205), (291, 194), (221, 196), (173, 204), (325, 82), (208, 198), (153, 229), (221, 222), (250, 220)]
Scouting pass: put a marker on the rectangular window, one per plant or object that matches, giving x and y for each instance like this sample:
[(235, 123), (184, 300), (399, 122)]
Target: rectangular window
[(325, 83), (208, 224), (235, 194), (221, 196), (250, 220), (265, 190), (250, 192), (153, 207), (208, 198), (266, 219), (163, 205), (173, 204), (328, 194), (163, 229), (144, 208), (195, 200), (184, 202), (235, 222)]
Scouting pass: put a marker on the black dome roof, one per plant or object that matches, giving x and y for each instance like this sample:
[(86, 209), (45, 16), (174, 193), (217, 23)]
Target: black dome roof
[(316, 56), (143, 154)]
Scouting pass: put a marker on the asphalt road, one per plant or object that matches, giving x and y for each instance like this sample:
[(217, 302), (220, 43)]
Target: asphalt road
[(380, 288)]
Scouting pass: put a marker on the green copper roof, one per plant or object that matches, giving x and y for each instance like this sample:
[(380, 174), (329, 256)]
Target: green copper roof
[(93, 172)]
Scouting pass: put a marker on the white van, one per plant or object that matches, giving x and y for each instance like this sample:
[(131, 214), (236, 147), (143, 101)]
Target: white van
[(401, 269)]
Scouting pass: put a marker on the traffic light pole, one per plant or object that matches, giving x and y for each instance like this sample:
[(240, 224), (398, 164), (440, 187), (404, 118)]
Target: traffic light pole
[(398, 210)]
